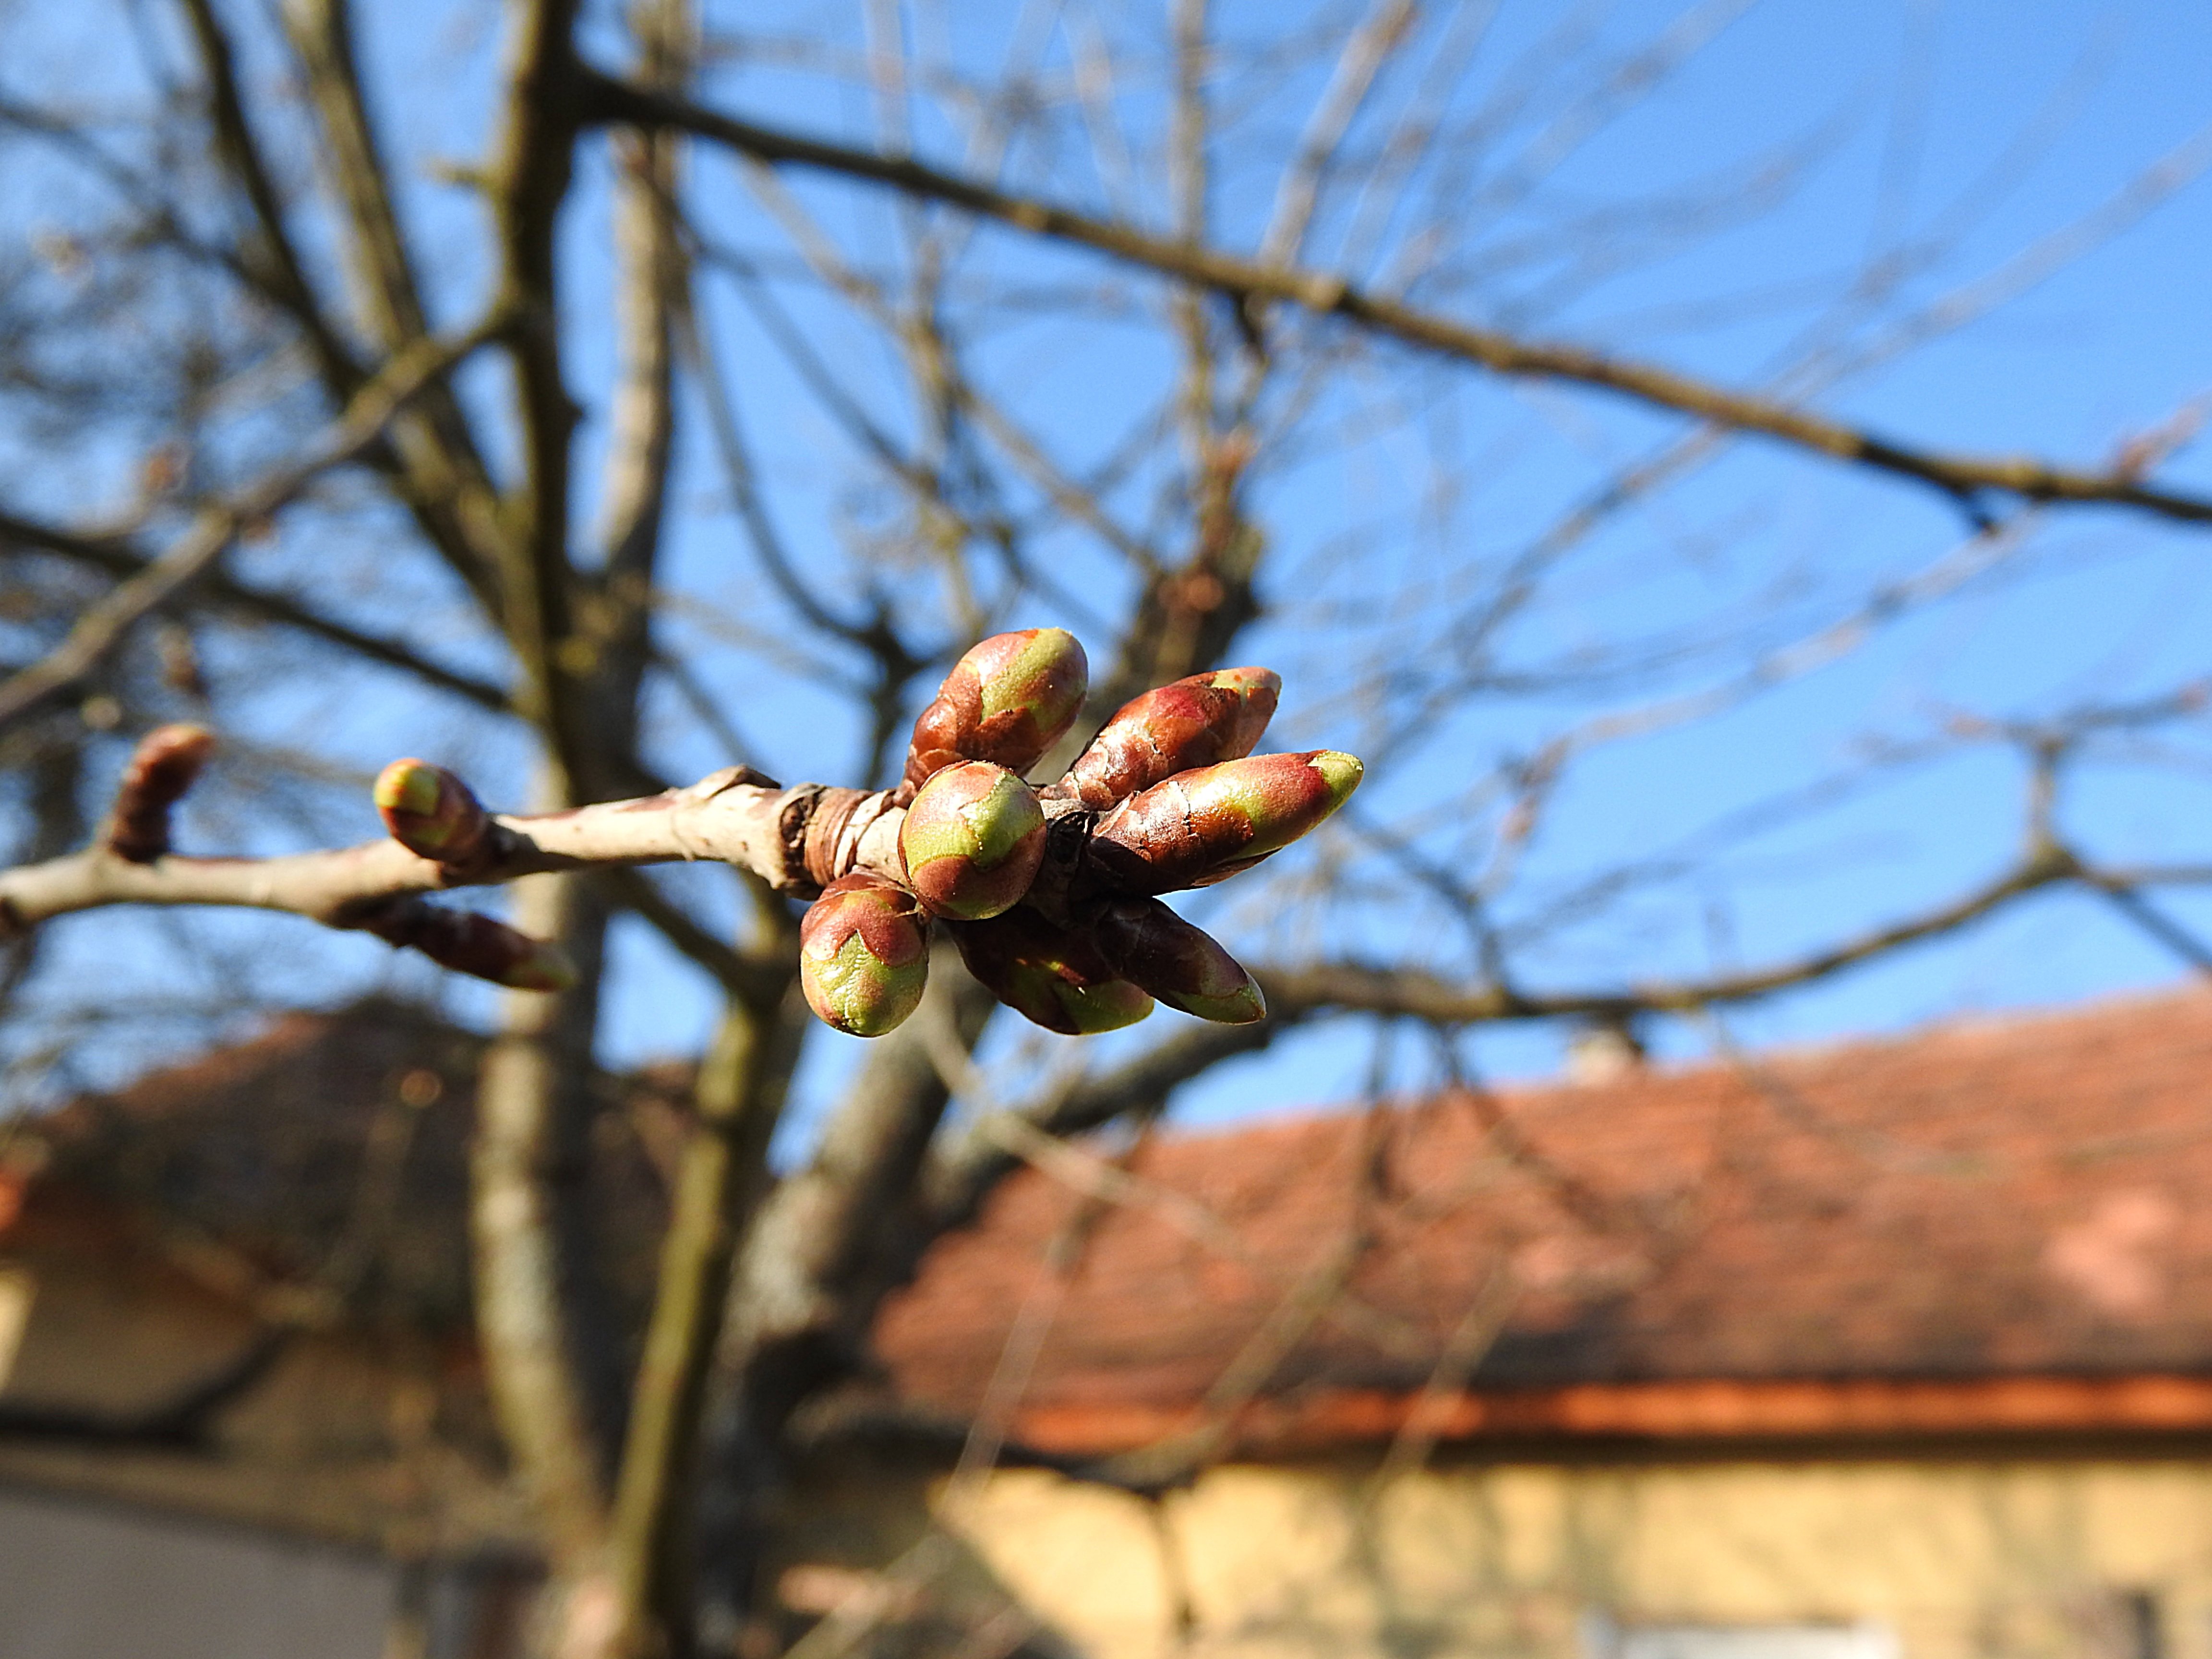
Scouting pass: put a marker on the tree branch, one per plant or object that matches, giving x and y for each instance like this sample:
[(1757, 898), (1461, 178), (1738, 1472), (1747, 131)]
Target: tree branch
[(1354, 988), (1959, 477), (215, 589), (448, 486), (740, 1095), (284, 273), (529, 180), (103, 627)]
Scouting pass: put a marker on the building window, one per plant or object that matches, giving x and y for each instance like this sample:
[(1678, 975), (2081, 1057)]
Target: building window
[(1605, 1637)]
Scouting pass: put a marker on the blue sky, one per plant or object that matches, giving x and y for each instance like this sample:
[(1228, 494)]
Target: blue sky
[(1805, 137)]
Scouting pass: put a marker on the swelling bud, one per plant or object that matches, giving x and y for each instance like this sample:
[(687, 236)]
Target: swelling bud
[(431, 812), (1203, 826), (1051, 977), (972, 840), (1182, 965), (476, 944), (1199, 721), (1008, 701), (864, 955), (166, 763)]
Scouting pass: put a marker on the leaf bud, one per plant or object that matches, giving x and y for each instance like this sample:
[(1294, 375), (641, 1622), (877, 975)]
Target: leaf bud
[(431, 812), (1050, 977), (166, 763), (1203, 826), (864, 955), (1183, 965), (1193, 722), (972, 840), (475, 944), (1006, 702)]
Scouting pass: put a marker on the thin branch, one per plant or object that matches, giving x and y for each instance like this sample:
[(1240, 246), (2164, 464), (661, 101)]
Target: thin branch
[(2128, 899), (286, 275), (1368, 48), (449, 487), (527, 184), (732, 816), (1357, 987), (102, 627), (217, 589), (1959, 477)]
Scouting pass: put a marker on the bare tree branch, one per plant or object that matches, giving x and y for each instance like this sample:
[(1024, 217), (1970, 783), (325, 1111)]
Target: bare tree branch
[(1960, 476), (103, 627), (723, 1175), (215, 589)]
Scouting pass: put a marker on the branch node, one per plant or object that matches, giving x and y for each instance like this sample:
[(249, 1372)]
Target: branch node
[(834, 825), (794, 817)]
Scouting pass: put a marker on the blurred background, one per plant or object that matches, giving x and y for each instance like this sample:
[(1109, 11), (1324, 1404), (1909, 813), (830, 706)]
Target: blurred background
[(1767, 750)]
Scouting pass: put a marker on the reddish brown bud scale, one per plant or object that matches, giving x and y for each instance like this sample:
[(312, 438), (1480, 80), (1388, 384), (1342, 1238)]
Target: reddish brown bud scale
[(1008, 701), (864, 955), (972, 840), (1184, 966), (471, 944), (1050, 977), (1199, 721), (431, 812), (166, 763), (1185, 832)]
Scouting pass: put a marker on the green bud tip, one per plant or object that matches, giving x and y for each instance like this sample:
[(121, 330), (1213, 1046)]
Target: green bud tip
[(1091, 1009), (1046, 990), (855, 992), (1008, 701), (1040, 671), (1051, 976), (1198, 721), (1341, 772), (864, 955), (1200, 826), (407, 786), (1182, 965), (544, 968), (429, 811), (972, 840)]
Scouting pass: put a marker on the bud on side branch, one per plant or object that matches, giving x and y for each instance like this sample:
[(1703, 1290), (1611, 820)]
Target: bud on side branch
[(864, 955), (1199, 721), (472, 944), (972, 840), (1201, 827), (1008, 701), (1182, 965), (431, 812), (166, 763), (1048, 975)]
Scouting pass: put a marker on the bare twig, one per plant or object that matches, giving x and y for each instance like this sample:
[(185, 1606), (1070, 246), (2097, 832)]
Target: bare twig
[(1958, 476), (103, 627)]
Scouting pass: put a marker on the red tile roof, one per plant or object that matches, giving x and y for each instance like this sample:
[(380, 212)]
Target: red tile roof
[(1992, 1226), (270, 1150)]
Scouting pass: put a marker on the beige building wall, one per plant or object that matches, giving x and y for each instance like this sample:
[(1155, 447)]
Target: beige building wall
[(1933, 1560)]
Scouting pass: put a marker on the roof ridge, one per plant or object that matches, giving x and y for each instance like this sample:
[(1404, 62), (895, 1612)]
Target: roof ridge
[(1944, 1030)]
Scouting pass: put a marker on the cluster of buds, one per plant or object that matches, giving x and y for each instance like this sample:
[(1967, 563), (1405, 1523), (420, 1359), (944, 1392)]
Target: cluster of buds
[(1051, 894)]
